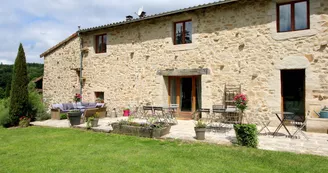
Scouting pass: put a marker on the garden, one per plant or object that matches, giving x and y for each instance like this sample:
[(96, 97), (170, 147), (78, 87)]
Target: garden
[(23, 103)]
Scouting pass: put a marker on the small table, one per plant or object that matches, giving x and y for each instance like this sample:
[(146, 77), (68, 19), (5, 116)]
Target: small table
[(285, 115)]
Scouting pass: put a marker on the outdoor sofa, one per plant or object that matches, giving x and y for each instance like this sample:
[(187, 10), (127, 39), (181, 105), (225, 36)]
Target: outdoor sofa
[(61, 108)]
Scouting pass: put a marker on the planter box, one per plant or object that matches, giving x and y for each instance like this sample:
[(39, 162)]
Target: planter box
[(140, 131), (317, 125)]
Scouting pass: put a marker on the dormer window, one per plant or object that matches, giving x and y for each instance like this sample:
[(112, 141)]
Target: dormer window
[(183, 32), (101, 43), (293, 16)]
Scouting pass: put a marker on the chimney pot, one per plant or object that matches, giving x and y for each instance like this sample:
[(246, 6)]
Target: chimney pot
[(129, 18)]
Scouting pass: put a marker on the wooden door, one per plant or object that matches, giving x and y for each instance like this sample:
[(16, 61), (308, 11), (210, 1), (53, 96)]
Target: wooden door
[(176, 94)]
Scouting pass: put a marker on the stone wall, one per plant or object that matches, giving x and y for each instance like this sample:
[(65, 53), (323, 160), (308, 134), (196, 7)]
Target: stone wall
[(238, 42), (60, 80)]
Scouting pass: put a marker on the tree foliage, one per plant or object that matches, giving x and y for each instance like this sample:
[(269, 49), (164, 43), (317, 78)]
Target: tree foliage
[(34, 70), (19, 93)]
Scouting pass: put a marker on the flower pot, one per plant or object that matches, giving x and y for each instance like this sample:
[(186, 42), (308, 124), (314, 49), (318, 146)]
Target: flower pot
[(74, 118), (94, 122), (126, 113), (200, 133)]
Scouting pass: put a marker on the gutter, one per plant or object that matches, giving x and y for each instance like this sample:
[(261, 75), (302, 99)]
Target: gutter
[(81, 59)]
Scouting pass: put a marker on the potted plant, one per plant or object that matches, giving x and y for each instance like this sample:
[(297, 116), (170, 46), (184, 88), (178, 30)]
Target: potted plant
[(99, 100), (24, 121), (74, 117), (93, 120), (246, 134), (200, 129), (77, 98), (126, 112), (240, 101)]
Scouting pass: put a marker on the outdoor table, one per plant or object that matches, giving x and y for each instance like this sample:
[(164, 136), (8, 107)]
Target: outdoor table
[(286, 116)]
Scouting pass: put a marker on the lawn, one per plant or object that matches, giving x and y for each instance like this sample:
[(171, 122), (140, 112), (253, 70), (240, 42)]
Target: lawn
[(37, 149)]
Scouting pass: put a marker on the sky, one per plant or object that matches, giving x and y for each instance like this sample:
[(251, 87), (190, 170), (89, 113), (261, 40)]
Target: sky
[(41, 24)]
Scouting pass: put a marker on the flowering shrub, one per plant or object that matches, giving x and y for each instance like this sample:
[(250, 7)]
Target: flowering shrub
[(241, 102), (24, 121), (77, 97)]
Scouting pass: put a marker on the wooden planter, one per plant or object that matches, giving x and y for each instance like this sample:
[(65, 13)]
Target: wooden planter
[(141, 131)]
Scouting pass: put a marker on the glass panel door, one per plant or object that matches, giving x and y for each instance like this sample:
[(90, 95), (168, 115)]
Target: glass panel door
[(173, 90), (186, 94)]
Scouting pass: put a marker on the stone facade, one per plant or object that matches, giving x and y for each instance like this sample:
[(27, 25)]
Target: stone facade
[(238, 42)]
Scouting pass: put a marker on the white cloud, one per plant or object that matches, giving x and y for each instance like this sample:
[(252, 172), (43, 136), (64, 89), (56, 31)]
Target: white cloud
[(40, 24)]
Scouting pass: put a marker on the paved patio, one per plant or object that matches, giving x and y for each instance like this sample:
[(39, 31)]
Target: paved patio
[(317, 143)]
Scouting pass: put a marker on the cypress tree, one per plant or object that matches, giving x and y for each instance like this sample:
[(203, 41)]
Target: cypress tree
[(19, 94), (7, 92)]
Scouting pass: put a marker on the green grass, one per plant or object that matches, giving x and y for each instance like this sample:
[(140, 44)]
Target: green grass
[(37, 149)]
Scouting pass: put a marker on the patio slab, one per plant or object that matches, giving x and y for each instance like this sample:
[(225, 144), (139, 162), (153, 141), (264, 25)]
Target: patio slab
[(184, 130)]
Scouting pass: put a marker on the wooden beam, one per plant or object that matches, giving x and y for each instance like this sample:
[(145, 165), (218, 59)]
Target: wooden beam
[(193, 90), (178, 92)]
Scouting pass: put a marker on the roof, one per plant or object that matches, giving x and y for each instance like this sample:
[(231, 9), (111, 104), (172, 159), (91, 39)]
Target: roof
[(59, 44), (38, 79), (219, 2), (158, 15)]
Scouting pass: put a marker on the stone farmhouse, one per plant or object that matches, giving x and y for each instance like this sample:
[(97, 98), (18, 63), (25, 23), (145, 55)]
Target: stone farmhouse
[(275, 50)]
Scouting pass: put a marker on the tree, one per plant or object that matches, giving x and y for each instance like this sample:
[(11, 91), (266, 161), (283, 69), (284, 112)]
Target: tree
[(7, 91), (19, 94)]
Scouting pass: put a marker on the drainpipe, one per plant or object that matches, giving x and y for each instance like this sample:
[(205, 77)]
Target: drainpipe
[(81, 60)]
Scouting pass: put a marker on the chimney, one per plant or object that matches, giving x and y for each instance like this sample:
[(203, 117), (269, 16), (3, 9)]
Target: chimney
[(143, 14), (129, 18)]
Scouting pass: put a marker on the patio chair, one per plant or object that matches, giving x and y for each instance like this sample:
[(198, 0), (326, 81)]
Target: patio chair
[(263, 124), (206, 111), (160, 114), (171, 112), (231, 115), (299, 123), (217, 111), (88, 113), (148, 112)]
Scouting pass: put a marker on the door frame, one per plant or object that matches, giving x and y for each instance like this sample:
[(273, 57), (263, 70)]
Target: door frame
[(193, 91), (282, 89)]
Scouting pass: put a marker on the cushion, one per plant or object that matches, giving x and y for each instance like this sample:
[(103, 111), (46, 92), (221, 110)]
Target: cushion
[(85, 104), (100, 105), (70, 106), (92, 104)]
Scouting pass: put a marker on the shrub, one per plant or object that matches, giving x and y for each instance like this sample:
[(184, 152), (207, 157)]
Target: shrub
[(4, 113), (24, 121), (4, 117), (246, 135), (63, 116), (36, 109), (19, 93)]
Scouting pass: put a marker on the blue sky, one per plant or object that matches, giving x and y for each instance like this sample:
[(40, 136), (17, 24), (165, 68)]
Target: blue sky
[(40, 24)]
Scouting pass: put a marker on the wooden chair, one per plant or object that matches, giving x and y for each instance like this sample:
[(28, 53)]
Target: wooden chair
[(88, 113)]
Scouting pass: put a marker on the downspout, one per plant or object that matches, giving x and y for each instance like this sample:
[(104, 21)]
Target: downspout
[(81, 60)]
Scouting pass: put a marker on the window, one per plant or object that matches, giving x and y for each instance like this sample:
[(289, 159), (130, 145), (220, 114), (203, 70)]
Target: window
[(293, 16), (99, 97), (183, 32), (101, 41)]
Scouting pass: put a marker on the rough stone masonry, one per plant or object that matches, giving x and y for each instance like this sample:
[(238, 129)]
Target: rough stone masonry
[(238, 42)]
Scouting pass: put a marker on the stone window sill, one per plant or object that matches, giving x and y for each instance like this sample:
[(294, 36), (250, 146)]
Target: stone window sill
[(183, 47), (293, 34)]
